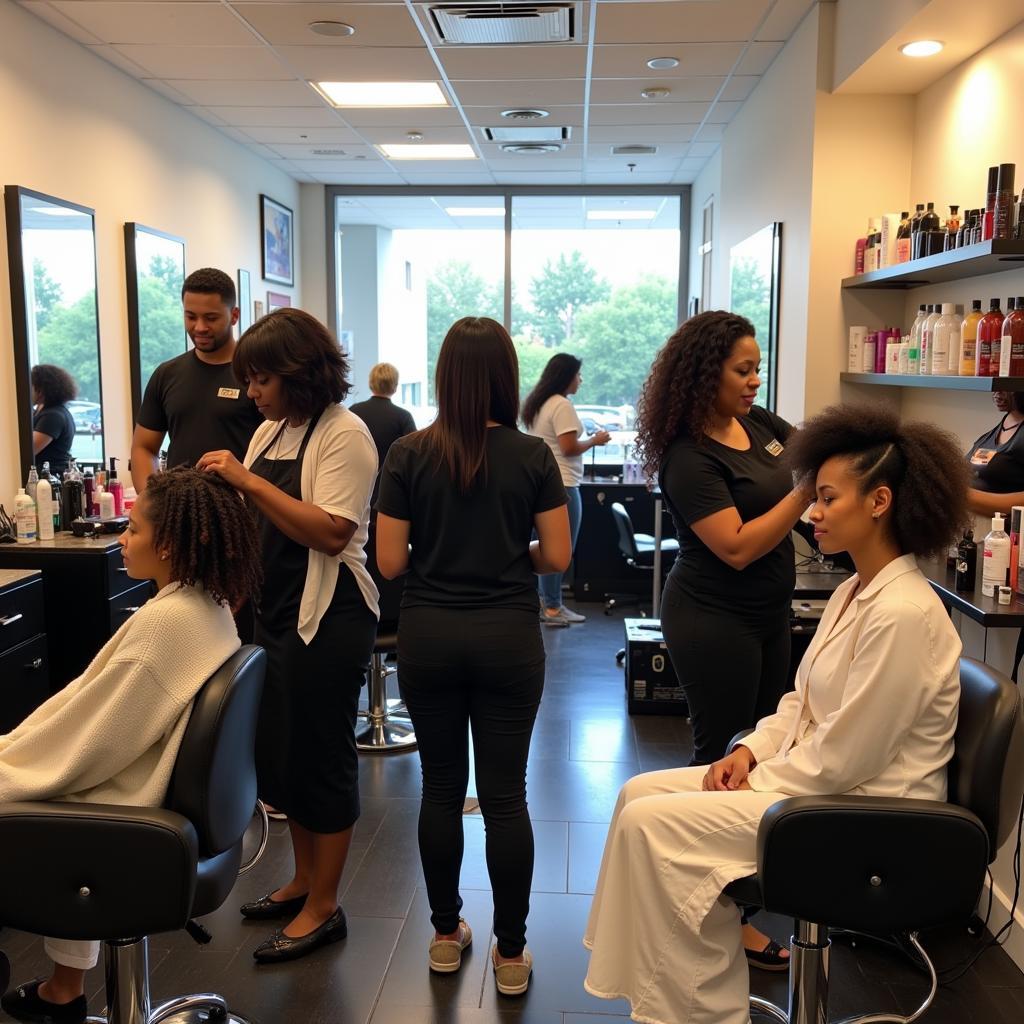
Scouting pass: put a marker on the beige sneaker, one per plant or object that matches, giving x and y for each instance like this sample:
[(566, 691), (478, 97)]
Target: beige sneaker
[(446, 954), (513, 978)]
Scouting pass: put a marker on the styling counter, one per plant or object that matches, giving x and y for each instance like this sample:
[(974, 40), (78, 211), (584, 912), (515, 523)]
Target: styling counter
[(87, 595), (24, 661)]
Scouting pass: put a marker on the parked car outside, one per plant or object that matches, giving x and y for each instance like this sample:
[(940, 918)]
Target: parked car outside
[(88, 416)]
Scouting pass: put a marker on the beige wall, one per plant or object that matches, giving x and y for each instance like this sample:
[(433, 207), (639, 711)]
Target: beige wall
[(77, 128)]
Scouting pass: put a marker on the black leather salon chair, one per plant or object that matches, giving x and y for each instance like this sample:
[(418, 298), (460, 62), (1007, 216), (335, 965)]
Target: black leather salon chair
[(638, 551), (120, 874), (388, 728), (891, 866)]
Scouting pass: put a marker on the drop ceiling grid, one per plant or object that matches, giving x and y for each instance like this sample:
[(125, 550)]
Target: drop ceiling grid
[(244, 66)]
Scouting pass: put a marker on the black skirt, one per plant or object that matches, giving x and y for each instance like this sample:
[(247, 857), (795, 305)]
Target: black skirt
[(306, 759)]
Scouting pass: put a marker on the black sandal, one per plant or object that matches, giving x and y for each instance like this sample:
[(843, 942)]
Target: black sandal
[(770, 958), (25, 1003)]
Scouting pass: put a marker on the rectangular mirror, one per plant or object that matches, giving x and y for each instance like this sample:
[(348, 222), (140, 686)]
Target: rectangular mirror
[(52, 257), (754, 266), (155, 267)]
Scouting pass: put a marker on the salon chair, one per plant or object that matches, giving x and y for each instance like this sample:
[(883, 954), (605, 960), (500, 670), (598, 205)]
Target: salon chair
[(638, 551), (388, 728), (121, 874), (891, 866)]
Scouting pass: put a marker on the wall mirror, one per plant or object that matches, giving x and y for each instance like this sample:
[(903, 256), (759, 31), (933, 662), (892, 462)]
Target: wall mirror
[(155, 266), (754, 269), (52, 256)]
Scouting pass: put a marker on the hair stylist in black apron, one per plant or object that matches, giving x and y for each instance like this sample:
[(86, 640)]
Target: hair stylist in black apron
[(308, 474), (997, 462)]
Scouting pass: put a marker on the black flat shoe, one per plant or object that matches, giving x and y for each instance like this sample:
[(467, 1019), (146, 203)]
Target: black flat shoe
[(266, 909), (770, 958), (25, 1003), (280, 947)]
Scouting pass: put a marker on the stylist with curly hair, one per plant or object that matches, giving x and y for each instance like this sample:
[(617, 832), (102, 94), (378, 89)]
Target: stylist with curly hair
[(725, 611)]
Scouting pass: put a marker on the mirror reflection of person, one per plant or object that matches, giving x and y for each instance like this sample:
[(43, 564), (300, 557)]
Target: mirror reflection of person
[(195, 397), (53, 426), (997, 461)]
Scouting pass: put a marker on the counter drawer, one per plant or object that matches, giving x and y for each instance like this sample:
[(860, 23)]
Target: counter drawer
[(24, 682), (126, 604), (21, 614), (118, 579)]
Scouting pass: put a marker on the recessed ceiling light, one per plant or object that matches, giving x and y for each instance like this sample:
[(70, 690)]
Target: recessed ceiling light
[(331, 28), (475, 211), (417, 151), (921, 48), (383, 94), (621, 214), (657, 93), (662, 63), (525, 115)]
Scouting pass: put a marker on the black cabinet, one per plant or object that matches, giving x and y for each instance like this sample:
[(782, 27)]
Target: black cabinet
[(24, 663)]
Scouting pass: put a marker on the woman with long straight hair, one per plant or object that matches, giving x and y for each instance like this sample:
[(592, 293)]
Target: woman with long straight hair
[(549, 414), (457, 506)]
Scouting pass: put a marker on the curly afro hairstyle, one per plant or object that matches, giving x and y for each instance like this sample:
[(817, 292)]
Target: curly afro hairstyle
[(919, 462), (54, 384), (208, 530), (680, 390)]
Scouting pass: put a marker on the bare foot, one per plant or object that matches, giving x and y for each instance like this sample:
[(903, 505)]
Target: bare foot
[(756, 941)]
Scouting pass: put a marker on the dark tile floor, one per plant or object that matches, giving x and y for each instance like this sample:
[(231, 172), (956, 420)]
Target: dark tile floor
[(584, 748)]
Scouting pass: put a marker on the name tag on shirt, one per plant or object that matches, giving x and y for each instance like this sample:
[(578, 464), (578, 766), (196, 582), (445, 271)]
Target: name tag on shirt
[(774, 447), (983, 456), (228, 392)]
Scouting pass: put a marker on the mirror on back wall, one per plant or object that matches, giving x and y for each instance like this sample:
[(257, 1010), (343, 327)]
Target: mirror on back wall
[(52, 257)]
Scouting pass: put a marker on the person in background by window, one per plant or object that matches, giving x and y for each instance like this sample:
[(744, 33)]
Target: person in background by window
[(549, 414), (53, 426)]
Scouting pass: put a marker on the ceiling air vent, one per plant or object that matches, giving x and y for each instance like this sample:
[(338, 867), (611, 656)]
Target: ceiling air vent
[(532, 133), (504, 24), (526, 148), (634, 150), (328, 152)]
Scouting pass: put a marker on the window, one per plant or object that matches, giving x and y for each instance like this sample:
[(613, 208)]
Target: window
[(707, 240)]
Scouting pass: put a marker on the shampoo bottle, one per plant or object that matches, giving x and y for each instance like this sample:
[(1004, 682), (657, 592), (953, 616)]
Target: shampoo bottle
[(995, 558), (903, 240), (945, 340), (1012, 350), (968, 365), (25, 517), (990, 330), (32, 483), (115, 488), (44, 510)]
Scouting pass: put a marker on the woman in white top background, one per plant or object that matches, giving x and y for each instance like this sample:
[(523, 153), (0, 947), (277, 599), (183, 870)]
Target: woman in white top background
[(874, 712), (308, 473), (112, 735), (549, 414)]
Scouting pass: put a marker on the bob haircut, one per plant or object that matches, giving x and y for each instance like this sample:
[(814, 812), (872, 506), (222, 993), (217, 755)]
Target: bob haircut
[(302, 352), (384, 379), (558, 374), (919, 462)]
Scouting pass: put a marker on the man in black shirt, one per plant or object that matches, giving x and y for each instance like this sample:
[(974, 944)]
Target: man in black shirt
[(386, 421), (195, 397)]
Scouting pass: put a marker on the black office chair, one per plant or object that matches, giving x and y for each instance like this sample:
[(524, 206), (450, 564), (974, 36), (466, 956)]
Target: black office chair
[(891, 866), (638, 551), (388, 727), (120, 874)]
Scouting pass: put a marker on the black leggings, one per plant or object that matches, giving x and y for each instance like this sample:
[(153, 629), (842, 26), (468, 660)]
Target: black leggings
[(733, 668), (479, 670)]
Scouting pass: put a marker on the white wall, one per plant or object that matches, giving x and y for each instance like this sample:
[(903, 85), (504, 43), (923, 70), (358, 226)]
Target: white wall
[(313, 248), (77, 128), (708, 186)]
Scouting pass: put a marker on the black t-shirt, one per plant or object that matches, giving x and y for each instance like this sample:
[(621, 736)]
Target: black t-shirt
[(57, 423), (998, 468), (699, 479), (201, 406), (471, 551), (387, 422)]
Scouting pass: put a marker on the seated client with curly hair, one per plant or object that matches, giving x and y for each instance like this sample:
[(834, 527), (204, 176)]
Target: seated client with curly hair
[(112, 735), (873, 713)]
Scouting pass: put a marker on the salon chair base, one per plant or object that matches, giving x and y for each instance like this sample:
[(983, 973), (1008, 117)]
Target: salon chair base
[(388, 729), (126, 967)]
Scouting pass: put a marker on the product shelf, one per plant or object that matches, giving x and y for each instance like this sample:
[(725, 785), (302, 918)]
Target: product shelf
[(991, 257), (914, 380)]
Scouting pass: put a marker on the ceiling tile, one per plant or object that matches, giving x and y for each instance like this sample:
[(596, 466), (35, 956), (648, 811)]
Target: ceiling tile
[(694, 59), (54, 17), (351, 64), (555, 162), (785, 17), (404, 117), (481, 177), (641, 164), (543, 93), (338, 166), (759, 58), (166, 23), (627, 90), (432, 135), (223, 63), (375, 24), (490, 116), (507, 63), (119, 60), (666, 150), (169, 92), (440, 167), (264, 151), (304, 152), (657, 23), (712, 133), (702, 150), (641, 134), (237, 135), (382, 177), (248, 94), (661, 113), (538, 177), (636, 178), (271, 134), (311, 117), (209, 116)]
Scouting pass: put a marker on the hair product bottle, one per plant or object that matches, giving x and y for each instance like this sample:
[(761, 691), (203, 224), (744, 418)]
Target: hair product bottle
[(945, 344), (115, 487), (996, 558), (929, 223), (934, 312), (990, 329), (25, 517), (1011, 352), (44, 510), (988, 219), (968, 362), (966, 563), (903, 240), (914, 352), (1002, 226), (952, 228)]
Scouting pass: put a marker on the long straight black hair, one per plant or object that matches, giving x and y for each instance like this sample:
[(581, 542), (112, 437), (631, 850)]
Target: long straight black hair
[(555, 380), (477, 380)]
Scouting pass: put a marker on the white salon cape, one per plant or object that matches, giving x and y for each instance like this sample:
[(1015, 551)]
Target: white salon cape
[(873, 713)]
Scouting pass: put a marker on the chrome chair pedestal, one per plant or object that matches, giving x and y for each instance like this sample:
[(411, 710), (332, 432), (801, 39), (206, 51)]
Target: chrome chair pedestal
[(388, 729)]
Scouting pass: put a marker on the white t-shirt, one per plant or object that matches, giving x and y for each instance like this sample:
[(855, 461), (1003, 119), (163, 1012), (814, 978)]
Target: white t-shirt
[(338, 471), (558, 416)]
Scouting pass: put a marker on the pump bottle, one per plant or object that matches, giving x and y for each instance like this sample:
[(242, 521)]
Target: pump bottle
[(995, 570)]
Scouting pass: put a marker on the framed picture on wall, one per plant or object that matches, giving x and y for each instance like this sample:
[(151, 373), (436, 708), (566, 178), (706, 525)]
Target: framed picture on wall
[(257, 310), (277, 300), (278, 241), (244, 301)]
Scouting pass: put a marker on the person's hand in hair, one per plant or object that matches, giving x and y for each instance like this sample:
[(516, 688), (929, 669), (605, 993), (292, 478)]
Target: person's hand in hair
[(730, 773), (227, 467)]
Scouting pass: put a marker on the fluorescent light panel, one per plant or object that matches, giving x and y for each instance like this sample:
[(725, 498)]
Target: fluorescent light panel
[(621, 214), (475, 211), (419, 151), (383, 94)]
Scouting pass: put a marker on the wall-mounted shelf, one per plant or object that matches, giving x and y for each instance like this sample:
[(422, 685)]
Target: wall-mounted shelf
[(990, 257), (907, 380)]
